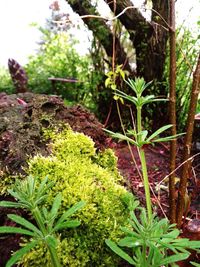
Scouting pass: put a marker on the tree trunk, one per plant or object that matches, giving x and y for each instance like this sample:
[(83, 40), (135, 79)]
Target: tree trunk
[(101, 31)]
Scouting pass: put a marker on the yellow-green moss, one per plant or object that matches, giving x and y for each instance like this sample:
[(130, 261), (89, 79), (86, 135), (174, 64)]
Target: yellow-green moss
[(78, 175)]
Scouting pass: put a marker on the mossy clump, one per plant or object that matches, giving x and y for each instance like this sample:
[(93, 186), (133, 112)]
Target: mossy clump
[(80, 173)]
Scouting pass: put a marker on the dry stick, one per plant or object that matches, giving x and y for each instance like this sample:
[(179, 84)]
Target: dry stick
[(173, 143), (167, 176), (187, 142)]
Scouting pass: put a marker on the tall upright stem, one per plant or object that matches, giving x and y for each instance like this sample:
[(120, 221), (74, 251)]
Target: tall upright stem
[(144, 165), (146, 183), (139, 121), (54, 257)]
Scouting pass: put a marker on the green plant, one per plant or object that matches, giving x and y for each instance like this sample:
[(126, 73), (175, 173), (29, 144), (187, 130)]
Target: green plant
[(149, 239), (32, 196), (6, 84), (139, 136), (80, 173), (152, 243)]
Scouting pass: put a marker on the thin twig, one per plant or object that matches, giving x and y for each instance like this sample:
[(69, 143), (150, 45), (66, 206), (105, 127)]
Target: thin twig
[(165, 178), (119, 15)]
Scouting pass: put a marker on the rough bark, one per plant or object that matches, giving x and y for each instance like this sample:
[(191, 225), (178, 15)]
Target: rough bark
[(173, 145), (101, 31), (187, 143), (148, 38)]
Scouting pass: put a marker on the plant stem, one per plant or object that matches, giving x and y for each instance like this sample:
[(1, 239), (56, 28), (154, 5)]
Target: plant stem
[(139, 122), (144, 165), (146, 183), (54, 257)]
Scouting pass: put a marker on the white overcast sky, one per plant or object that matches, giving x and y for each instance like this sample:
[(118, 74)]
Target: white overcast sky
[(19, 40)]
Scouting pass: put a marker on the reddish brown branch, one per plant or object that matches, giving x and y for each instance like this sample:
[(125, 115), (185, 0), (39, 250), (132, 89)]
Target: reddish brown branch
[(187, 143), (172, 195)]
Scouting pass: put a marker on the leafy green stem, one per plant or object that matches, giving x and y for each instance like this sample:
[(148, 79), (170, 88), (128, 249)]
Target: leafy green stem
[(37, 216), (139, 122), (143, 163), (146, 182), (54, 256)]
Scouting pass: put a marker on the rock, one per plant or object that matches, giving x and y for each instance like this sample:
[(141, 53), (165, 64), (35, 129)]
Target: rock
[(22, 118)]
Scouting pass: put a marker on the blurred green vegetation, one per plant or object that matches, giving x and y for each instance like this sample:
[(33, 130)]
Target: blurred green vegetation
[(58, 57)]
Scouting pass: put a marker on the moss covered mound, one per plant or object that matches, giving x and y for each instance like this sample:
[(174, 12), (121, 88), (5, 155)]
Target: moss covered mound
[(82, 174)]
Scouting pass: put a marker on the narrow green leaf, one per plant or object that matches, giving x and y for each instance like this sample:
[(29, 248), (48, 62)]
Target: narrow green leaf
[(128, 231), (129, 242), (13, 194), (119, 252), (39, 200), (56, 205), (173, 234), (159, 131), (143, 134), (71, 211), (121, 137), (9, 204), (125, 96), (44, 187), (21, 252), (195, 263), (175, 258), (194, 244), (15, 230), (41, 187), (168, 138), (25, 223), (31, 185)]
